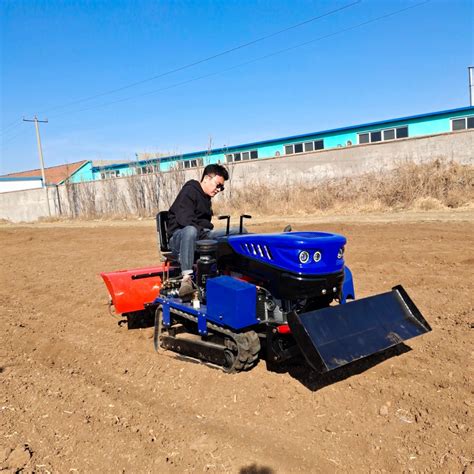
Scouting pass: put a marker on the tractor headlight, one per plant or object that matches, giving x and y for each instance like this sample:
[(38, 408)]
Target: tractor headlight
[(340, 254), (317, 256), (303, 256)]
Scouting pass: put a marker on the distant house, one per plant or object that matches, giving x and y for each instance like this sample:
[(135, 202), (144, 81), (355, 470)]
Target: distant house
[(55, 175), (79, 171)]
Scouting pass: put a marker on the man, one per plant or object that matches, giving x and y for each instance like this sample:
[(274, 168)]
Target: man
[(190, 217)]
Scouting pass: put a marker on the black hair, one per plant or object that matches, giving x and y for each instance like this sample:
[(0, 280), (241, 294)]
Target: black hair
[(215, 170)]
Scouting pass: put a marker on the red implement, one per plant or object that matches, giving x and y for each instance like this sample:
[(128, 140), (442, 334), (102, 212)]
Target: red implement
[(130, 290)]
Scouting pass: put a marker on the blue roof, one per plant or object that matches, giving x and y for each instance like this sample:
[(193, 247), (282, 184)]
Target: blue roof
[(298, 137)]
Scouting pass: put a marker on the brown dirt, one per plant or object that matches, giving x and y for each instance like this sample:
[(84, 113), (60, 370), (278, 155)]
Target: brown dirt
[(79, 393)]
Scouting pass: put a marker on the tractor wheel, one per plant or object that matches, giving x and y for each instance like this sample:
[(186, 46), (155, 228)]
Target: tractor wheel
[(248, 348), (230, 360)]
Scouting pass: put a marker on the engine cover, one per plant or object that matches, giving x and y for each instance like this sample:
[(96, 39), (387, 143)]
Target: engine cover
[(231, 302)]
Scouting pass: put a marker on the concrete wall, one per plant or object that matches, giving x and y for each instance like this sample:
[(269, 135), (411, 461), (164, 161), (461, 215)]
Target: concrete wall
[(353, 161), (145, 194), (28, 205)]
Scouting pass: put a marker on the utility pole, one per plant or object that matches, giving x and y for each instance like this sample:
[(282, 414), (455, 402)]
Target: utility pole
[(40, 153), (471, 85)]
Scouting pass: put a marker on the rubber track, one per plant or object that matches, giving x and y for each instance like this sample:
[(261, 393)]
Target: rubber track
[(248, 343)]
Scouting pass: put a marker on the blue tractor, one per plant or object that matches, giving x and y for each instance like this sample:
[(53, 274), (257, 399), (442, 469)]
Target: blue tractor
[(276, 297)]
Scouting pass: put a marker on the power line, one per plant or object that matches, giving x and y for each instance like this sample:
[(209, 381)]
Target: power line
[(222, 71), (10, 125), (200, 61), (11, 139)]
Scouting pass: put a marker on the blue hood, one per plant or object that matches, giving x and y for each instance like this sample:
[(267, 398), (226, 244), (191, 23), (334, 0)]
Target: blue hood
[(283, 250)]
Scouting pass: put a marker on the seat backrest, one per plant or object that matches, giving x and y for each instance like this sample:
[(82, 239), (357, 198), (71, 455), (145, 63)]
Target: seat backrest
[(161, 228)]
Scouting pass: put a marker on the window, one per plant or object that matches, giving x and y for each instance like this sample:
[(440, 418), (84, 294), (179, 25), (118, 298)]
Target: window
[(243, 156), (147, 169), (298, 148), (376, 137), (109, 174), (459, 124), (383, 135), (306, 146), (462, 123), (188, 164), (402, 132)]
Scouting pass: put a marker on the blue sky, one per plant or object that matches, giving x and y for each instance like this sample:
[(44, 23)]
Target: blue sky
[(55, 54)]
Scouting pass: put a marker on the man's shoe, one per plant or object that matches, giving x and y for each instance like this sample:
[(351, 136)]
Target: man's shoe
[(186, 289)]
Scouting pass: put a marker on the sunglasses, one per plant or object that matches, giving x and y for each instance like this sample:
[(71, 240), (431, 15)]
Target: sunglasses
[(219, 187)]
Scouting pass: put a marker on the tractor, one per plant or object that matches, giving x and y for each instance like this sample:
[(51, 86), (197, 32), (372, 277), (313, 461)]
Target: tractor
[(276, 296)]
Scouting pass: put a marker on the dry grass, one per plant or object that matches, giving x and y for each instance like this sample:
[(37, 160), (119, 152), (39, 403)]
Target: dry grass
[(428, 186), (431, 186)]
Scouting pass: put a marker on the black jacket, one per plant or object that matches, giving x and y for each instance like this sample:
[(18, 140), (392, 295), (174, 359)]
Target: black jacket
[(192, 206)]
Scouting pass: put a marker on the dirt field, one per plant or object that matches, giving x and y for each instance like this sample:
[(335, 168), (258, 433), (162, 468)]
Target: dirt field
[(80, 394)]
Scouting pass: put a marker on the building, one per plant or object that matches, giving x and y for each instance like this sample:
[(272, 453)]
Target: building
[(19, 184), (79, 171), (54, 175), (446, 121), (404, 128)]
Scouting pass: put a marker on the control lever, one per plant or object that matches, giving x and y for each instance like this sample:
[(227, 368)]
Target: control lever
[(228, 223), (242, 217)]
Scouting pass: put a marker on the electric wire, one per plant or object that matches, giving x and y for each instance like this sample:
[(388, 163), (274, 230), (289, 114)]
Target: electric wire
[(13, 124), (222, 71), (260, 58), (200, 61), (6, 142)]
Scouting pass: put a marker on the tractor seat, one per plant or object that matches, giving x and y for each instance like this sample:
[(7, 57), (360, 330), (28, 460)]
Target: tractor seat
[(163, 245)]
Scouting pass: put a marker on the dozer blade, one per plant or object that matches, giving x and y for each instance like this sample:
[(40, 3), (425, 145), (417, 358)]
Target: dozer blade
[(334, 336)]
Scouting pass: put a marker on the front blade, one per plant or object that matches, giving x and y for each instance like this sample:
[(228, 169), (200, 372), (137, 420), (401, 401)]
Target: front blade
[(334, 336)]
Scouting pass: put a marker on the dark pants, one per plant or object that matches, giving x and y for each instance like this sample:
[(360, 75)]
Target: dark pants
[(183, 244)]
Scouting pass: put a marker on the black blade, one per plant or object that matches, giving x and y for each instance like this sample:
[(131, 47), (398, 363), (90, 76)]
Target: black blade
[(337, 335)]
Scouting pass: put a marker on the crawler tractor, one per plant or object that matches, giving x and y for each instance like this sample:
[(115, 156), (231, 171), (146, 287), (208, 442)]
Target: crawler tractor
[(272, 296)]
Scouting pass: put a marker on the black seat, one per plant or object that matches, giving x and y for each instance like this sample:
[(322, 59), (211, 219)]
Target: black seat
[(161, 228)]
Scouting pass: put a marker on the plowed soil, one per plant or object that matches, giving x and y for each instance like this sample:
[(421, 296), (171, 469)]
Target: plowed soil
[(80, 393)]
